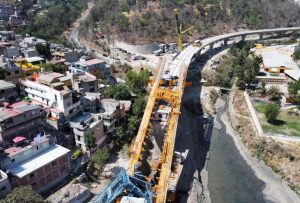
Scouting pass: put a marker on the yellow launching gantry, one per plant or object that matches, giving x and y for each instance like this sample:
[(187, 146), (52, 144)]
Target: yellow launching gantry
[(179, 30)]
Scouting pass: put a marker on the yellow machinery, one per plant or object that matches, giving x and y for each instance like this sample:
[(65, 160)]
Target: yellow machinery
[(179, 30)]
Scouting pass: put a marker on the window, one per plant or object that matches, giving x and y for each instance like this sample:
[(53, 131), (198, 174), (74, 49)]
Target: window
[(31, 175), (3, 188), (8, 73), (17, 72), (37, 147), (78, 137), (13, 160), (53, 163)]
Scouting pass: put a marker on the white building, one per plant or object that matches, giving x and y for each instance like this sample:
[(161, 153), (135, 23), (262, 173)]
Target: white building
[(47, 90)]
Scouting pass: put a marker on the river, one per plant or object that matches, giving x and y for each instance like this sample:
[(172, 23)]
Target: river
[(231, 179)]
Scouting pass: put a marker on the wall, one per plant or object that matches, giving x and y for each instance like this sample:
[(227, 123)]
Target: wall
[(46, 176)]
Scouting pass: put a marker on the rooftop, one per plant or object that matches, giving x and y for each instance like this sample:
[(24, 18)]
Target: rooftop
[(89, 62), (34, 59), (295, 74), (6, 85), (16, 109), (49, 77), (36, 162), (275, 59)]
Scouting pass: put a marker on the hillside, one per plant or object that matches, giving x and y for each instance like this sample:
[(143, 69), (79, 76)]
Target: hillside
[(140, 21)]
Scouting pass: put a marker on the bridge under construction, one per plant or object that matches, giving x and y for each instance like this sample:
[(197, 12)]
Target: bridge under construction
[(154, 167)]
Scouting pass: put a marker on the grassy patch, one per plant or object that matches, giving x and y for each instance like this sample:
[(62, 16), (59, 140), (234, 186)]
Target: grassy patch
[(286, 124)]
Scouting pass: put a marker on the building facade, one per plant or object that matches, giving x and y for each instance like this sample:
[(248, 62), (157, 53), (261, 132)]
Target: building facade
[(85, 122), (20, 118), (8, 92)]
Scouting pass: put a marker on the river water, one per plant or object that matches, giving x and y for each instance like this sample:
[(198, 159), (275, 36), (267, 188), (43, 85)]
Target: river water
[(231, 179)]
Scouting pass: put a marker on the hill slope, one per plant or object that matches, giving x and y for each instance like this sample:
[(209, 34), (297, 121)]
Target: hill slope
[(138, 21)]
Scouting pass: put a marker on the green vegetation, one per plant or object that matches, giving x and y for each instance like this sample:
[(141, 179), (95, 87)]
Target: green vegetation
[(274, 93), (293, 89), (89, 139), (137, 21), (118, 92), (77, 153), (23, 194), (137, 82), (100, 158), (213, 96), (50, 67), (57, 15), (286, 122), (296, 55), (238, 63), (44, 50), (271, 112)]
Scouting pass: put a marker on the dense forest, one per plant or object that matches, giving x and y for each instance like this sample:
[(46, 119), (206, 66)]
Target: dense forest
[(56, 16), (141, 20)]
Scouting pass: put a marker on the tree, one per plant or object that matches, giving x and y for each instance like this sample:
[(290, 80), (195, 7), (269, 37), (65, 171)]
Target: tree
[(294, 87), (137, 82), (271, 112), (118, 92), (100, 158), (263, 88), (274, 93), (23, 194), (132, 126), (119, 135), (138, 106), (89, 139), (43, 50)]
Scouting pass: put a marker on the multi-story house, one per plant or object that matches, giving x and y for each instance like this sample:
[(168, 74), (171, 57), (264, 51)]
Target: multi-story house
[(112, 112), (85, 122), (95, 67), (60, 102), (84, 82), (40, 164), (8, 92), (20, 118), (12, 72)]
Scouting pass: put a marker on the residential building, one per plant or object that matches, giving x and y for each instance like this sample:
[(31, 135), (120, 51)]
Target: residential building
[(20, 118), (8, 92), (4, 184), (40, 164), (5, 12), (292, 75), (12, 52), (13, 71), (276, 59), (31, 52), (95, 67), (31, 42), (112, 111), (84, 82), (29, 66), (91, 102), (46, 89), (85, 122)]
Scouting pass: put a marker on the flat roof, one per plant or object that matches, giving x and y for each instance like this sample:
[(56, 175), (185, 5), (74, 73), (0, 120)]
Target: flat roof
[(34, 59), (16, 109), (38, 161), (295, 74), (6, 85), (274, 59)]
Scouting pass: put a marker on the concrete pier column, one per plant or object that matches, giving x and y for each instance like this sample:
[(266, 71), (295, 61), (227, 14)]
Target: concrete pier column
[(243, 37), (211, 46), (226, 42), (261, 36)]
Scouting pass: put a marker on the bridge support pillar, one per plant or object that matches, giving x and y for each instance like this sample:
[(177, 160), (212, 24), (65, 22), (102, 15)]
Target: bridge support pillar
[(211, 46), (226, 42), (261, 36), (244, 37)]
